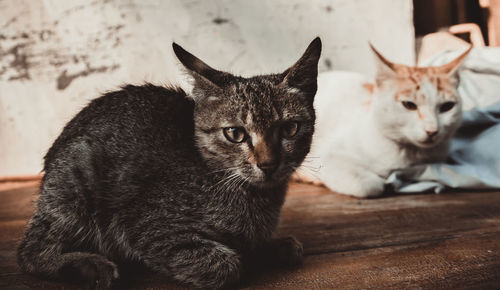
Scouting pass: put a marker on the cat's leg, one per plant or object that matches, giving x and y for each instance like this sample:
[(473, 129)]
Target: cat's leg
[(62, 227), (286, 251), (345, 176), (198, 263), (41, 253)]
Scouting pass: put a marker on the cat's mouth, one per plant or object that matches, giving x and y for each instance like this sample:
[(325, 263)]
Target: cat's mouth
[(428, 143), (256, 177), (264, 180), (272, 179)]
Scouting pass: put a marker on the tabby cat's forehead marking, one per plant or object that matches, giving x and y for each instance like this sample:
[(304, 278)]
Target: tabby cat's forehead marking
[(428, 81), (257, 97), (259, 103)]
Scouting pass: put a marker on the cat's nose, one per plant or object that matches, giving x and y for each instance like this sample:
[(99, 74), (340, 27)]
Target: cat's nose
[(432, 133), (268, 167)]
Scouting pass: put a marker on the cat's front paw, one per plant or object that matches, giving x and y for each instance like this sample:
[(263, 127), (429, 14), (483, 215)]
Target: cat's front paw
[(361, 185), (289, 251), (91, 271), (367, 190)]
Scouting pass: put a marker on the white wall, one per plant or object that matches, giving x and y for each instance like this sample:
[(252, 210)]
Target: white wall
[(55, 55)]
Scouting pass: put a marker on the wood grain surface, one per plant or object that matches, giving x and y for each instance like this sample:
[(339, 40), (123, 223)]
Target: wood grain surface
[(425, 241)]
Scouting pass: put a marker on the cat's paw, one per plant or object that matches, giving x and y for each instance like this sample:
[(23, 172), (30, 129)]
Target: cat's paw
[(209, 265), (289, 251), (367, 190), (91, 272), (363, 185)]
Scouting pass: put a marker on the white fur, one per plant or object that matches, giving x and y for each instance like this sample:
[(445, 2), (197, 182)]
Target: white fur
[(362, 137)]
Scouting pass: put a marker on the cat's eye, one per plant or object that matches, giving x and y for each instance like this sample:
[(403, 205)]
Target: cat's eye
[(446, 107), (289, 129), (409, 105), (235, 134)]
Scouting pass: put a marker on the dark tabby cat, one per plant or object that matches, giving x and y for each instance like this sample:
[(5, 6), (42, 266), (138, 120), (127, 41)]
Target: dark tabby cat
[(190, 186)]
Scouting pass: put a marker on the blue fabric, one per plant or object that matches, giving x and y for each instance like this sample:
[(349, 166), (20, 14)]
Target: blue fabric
[(473, 162)]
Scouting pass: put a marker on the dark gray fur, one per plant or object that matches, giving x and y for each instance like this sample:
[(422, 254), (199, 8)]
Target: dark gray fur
[(145, 174)]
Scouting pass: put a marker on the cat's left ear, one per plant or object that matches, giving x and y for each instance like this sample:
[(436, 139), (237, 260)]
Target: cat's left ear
[(451, 68), (203, 74), (304, 73), (385, 69)]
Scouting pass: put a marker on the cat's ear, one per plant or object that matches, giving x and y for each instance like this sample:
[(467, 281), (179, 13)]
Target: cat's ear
[(451, 68), (202, 73), (304, 73), (385, 69)]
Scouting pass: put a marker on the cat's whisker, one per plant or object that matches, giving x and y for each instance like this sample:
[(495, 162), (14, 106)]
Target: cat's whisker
[(302, 170), (228, 169), (229, 179), (313, 174), (311, 168), (311, 157), (220, 184), (243, 182), (307, 170), (230, 182), (310, 161)]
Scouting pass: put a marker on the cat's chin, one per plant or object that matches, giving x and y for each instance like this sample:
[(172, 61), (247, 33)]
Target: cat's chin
[(265, 184), (426, 144), (268, 182)]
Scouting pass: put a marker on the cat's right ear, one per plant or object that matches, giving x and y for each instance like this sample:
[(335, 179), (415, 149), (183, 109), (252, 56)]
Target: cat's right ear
[(203, 74), (304, 73), (385, 69), (451, 68)]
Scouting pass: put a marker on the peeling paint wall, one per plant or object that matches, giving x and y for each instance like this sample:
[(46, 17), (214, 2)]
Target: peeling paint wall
[(56, 55)]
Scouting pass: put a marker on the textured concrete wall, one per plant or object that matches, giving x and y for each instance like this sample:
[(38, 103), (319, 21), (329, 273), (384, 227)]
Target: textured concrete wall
[(56, 55)]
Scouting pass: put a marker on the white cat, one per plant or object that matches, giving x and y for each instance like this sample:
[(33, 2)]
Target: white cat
[(367, 130)]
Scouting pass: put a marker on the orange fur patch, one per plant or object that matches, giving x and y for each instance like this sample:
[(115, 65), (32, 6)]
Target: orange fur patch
[(420, 115), (369, 87), (409, 79)]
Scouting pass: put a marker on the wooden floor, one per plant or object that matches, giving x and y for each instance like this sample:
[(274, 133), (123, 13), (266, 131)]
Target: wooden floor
[(428, 241)]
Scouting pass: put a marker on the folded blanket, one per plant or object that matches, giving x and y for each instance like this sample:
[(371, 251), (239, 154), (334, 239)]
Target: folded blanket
[(474, 159)]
